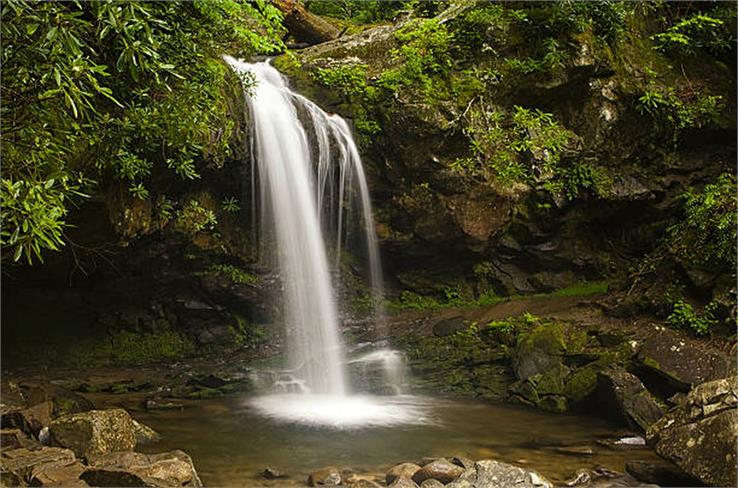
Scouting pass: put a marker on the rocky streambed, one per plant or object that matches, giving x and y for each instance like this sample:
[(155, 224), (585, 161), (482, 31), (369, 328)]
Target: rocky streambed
[(529, 392)]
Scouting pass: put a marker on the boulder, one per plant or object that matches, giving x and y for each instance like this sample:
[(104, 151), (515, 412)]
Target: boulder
[(403, 470), (144, 434), (30, 420), (440, 469), (623, 394), (60, 473), (174, 468), (95, 432), (604, 478), (494, 474), (431, 483), (356, 481), (403, 482), (17, 465), (448, 327), (699, 434), (681, 364), (15, 438), (325, 477)]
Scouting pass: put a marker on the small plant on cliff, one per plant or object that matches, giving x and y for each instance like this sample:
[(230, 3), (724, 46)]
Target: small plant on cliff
[(194, 218), (707, 235), (683, 316), (699, 31)]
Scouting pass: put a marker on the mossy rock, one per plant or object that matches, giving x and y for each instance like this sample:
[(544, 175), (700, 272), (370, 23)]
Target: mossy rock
[(581, 384)]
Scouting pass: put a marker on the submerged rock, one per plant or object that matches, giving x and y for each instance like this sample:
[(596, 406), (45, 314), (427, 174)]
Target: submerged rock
[(167, 469), (699, 435), (325, 477), (662, 473), (95, 432), (144, 434)]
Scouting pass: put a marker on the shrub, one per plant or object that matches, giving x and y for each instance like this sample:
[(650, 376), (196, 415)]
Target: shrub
[(683, 316)]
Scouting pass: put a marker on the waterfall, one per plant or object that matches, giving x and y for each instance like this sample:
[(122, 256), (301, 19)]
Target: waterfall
[(311, 183)]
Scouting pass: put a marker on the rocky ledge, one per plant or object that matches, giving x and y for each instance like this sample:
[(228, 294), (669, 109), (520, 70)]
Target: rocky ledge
[(54, 437)]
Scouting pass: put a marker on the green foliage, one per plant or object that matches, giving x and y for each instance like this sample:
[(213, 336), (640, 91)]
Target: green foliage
[(695, 33), (233, 273), (193, 218), (246, 334), (707, 235), (684, 316), (583, 288), (113, 91), (674, 112), (358, 11), (424, 54), (453, 298), (230, 205), (128, 348)]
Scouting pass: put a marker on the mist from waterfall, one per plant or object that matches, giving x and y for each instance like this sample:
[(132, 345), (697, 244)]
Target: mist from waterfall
[(311, 186)]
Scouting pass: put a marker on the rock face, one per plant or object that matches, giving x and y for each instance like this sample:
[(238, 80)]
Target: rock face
[(95, 432), (699, 435), (494, 474), (635, 405), (173, 468)]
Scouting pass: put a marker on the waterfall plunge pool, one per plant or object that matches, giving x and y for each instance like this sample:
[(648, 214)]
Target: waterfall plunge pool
[(231, 440)]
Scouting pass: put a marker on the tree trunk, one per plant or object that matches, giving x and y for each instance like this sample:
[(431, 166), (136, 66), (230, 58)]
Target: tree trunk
[(305, 26)]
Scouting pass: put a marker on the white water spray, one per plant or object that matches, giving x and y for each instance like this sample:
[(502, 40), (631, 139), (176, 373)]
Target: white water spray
[(311, 184)]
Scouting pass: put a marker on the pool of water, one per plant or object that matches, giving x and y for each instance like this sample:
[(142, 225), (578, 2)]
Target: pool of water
[(232, 442)]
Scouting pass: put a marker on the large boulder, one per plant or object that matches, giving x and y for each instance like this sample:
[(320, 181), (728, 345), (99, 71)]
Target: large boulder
[(495, 474), (699, 434), (624, 395), (680, 363), (29, 420), (166, 469), (325, 477), (95, 432)]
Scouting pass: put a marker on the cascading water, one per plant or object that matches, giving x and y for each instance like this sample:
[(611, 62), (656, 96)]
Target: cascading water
[(311, 182)]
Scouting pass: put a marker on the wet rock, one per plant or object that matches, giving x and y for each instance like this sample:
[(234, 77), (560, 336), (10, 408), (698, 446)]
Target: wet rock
[(431, 483), (152, 404), (659, 472), (17, 465), (448, 327), (95, 432), (59, 473), (462, 461), (144, 434), (699, 435), (30, 420), (575, 450), (402, 482), (15, 438), (356, 481), (403, 470), (494, 474), (64, 401), (167, 469), (625, 396), (604, 478), (680, 364), (325, 477), (440, 469), (271, 474)]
